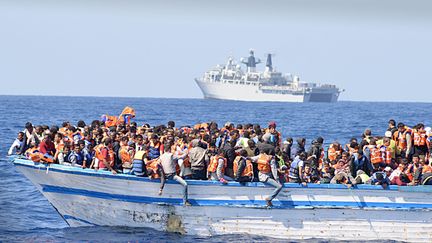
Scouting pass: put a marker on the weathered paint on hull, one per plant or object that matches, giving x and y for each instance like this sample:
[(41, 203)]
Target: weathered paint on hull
[(85, 197)]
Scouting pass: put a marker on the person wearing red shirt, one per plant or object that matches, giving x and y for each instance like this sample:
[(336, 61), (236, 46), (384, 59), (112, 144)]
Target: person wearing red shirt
[(47, 146)]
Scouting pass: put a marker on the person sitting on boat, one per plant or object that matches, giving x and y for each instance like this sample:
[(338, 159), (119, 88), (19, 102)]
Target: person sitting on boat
[(422, 169), (308, 175), (76, 156), (242, 166), (47, 148), (39, 134), (216, 168), (360, 162), (15, 148), (138, 165), (296, 168), (105, 155), (343, 178), (33, 153), (380, 178), (89, 155), (327, 173), (361, 177), (199, 160), (126, 154), (58, 144), (29, 137), (154, 148), (63, 155), (334, 152), (168, 164)]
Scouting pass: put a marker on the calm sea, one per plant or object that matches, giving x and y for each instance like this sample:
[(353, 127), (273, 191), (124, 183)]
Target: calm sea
[(25, 215)]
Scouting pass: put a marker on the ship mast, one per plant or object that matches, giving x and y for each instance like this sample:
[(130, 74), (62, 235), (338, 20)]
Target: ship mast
[(251, 62)]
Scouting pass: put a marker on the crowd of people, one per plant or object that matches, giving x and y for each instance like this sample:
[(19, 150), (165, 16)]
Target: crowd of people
[(242, 153)]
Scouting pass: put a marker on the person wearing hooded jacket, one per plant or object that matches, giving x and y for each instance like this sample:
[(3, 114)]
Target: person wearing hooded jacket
[(299, 148), (315, 151)]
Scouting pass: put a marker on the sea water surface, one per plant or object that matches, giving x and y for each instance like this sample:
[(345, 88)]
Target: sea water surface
[(25, 215)]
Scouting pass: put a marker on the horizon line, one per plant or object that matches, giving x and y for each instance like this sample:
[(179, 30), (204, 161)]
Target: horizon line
[(202, 98)]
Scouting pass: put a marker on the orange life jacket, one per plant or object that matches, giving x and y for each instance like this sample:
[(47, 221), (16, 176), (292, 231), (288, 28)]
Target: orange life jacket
[(111, 121), (248, 171), (420, 138), (124, 155), (427, 169), (98, 154), (153, 165), (63, 130), (214, 161), (375, 155), (33, 154), (401, 139), (264, 163), (126, 111)]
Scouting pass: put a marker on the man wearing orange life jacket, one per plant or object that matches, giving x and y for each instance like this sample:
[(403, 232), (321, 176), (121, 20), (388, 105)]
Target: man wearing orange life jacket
[(420, 141), (217, 166), (126, 154), (33, 153), (412, 168), (265, 163), (386, 152), (242, 167), (105, 155), (373, 152), (58, 144), (421, 168), (403, 139)]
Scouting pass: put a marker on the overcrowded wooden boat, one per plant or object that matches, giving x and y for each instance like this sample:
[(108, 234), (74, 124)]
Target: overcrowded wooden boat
[(85, 197)]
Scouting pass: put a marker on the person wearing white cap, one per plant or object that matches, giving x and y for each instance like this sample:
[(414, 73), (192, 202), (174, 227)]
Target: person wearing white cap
[(391, 146)]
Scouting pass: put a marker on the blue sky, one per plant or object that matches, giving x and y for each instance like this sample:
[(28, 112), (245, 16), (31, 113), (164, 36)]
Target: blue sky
[(375, 50)]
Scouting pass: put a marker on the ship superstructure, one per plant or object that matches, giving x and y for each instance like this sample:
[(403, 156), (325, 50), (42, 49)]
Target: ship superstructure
[(230, 82)]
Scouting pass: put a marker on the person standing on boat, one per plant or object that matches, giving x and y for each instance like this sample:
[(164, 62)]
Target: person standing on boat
[(299, 148), (296, 168), (265, 163), (168, 163), (199, 160)]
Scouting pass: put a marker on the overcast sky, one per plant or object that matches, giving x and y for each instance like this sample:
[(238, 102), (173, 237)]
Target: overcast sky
[(375, 50)]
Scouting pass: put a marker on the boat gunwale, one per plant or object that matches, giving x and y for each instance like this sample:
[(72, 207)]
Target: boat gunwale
[(106, 174)]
